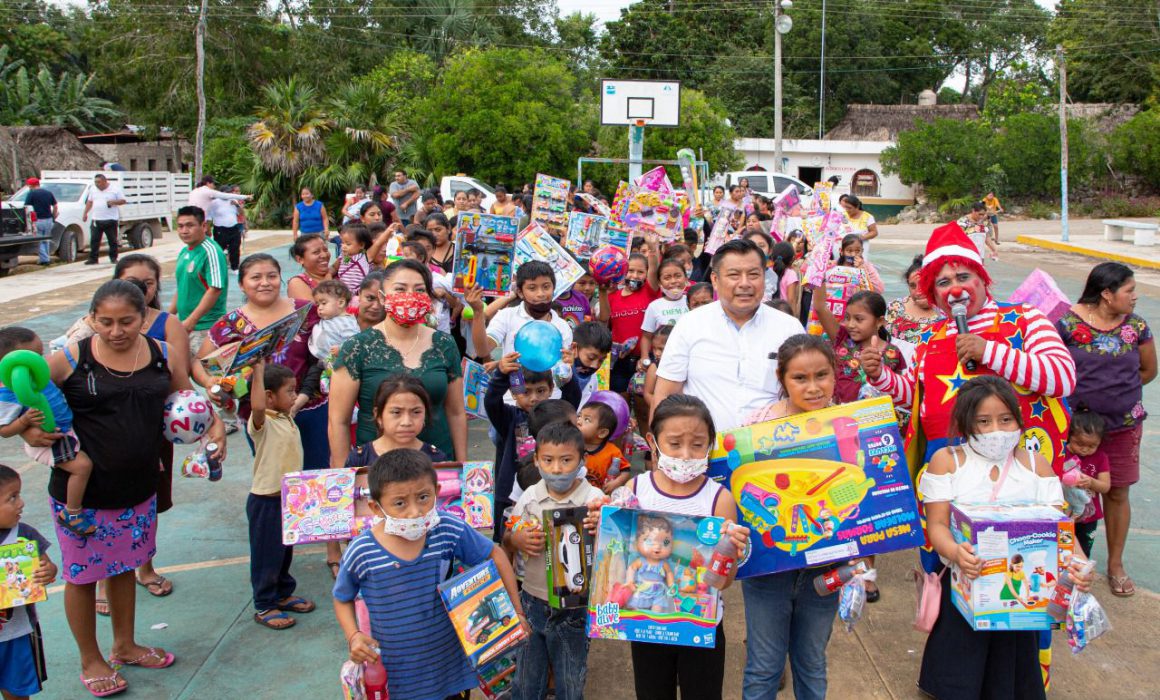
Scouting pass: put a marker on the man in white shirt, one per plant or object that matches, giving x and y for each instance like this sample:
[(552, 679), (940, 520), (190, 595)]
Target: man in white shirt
[(103, 203), (720, 352), (206, 192), (227, 232)]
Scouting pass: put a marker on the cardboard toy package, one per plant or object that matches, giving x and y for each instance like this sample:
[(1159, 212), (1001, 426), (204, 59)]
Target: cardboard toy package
[(647, 578), (478, 480), (482, 613), (568, 555), (1022, 548), (819, 487), (535, 243), (483, 252), (321, 505), (496, 676), (475, 381), (842, 282), (1040, 291), (18, 564), (550, 204)]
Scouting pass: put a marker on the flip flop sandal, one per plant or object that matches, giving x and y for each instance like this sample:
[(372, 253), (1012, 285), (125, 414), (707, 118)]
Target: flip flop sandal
[(296, 604), (334, 567), (266, 617), (102, 606), (90, 682), (156, 587), (151, 653), (1122, 586)]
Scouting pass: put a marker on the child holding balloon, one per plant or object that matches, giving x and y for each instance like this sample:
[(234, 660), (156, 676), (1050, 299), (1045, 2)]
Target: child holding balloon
[(22, 367)]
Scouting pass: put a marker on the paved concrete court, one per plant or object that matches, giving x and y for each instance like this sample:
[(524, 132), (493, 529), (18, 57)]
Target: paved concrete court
[(223, 654)]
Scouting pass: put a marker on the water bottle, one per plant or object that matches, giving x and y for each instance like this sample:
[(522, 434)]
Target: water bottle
[(1061, 597), (375, 679), (215, 464), (722, 562), (613, 470), (832, 580)]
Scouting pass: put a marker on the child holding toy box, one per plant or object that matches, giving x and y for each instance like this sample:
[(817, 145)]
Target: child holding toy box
[(21, 649), (680, 436), (990, 467), (784, 615), (396, 567), (558, 637)]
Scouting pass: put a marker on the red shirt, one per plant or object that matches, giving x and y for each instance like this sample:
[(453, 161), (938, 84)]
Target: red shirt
[(626, 313)]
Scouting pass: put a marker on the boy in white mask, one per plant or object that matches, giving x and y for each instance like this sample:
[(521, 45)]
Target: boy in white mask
[(411, 549)]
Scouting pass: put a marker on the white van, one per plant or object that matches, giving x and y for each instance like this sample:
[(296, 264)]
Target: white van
[(765, 183), (450, 184)]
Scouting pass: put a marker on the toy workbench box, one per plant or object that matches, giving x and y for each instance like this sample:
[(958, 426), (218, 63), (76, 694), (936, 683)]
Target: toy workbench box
[(482, 613), (819, 487), (647, 583), (1023, 548)]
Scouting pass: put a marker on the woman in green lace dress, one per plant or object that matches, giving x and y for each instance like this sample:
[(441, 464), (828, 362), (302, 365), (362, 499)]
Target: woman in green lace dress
[(401, 344)]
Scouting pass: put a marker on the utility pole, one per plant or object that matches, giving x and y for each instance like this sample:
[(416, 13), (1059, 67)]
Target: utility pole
[(782, 24), (1061, 63), (822, 79), (199, 142)]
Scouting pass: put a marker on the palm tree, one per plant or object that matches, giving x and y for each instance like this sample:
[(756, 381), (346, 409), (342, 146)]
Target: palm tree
[(290, 134), (367, 133), (446, 24), (63, 102)]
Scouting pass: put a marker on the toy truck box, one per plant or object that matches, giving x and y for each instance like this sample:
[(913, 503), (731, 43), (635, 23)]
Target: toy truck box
[(482, 613), (568, 555), (1023, 548), (648, 578), (819, 487)]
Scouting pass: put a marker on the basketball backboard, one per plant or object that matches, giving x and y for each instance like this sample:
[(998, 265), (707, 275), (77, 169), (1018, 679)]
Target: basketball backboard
[(623, 102)]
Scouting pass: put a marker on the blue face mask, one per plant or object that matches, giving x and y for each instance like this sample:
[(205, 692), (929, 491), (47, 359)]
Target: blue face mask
[(562, 482)]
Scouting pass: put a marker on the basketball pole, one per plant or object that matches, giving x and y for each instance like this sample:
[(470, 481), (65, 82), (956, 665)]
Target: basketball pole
[(635, 149)]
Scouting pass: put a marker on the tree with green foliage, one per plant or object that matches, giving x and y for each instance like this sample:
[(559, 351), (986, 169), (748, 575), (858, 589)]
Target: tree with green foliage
[(1110, 49), (703, 128), (289, 136), (1135, 147), (503, 115), (45, 99), (1027, 148), (947, 157), (445, 25)]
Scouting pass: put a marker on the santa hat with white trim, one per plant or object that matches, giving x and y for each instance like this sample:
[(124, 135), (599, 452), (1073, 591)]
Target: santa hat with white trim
[(950, 241)]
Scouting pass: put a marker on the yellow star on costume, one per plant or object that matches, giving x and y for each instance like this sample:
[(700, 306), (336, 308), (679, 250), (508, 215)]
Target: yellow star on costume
[(954, 382)]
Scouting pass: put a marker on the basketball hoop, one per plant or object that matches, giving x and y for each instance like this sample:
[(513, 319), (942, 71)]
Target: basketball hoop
[(640, 122)]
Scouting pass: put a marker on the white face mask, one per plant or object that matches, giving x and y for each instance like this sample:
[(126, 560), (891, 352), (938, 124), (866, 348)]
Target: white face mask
[(411, 528), (996, 446), (680, 470), (673, 294)]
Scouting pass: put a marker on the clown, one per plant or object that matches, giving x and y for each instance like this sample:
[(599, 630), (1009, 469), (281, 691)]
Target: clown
[(1013, 341)]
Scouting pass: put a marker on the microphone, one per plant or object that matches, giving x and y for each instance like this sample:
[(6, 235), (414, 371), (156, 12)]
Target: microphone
[(959, 314)]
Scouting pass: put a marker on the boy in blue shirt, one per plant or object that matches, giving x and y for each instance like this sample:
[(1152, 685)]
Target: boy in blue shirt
[(396, 567)]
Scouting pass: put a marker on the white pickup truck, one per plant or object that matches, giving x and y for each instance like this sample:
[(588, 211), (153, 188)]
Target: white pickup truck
[(153, 198)]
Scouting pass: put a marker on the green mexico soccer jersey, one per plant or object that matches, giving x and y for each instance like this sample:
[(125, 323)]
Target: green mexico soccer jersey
[(198, 269)]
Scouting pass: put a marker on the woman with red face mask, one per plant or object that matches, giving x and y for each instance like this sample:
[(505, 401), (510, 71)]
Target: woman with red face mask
[(401, 344)]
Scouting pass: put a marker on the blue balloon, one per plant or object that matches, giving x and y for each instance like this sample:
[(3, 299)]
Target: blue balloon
[(539, 344)]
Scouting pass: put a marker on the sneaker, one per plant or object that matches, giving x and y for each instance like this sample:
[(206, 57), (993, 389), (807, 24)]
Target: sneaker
[(90, 262), (80, 524)]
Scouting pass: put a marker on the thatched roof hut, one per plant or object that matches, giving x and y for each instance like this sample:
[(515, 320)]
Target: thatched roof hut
[(28, 150), (883, 122)]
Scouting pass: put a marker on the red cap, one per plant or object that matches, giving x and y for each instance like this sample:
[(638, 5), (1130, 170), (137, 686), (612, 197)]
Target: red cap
[(32, 182), (950, 241)]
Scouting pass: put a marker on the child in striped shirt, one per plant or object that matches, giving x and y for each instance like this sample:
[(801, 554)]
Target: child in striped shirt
[(396, 567)]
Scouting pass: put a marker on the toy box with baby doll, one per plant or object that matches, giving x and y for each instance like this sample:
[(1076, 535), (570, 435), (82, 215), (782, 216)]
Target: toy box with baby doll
[(1022, 549), (568, 555), (819, 487), (647, 579), (18, 564), (482, 613)]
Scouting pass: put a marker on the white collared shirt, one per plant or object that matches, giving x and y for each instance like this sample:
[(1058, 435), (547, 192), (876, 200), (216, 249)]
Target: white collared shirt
[(508, 321), (727, 367)]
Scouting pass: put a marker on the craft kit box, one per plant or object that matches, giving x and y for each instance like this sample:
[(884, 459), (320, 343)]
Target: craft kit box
[(482, 613), (1023, 548), (568, 555), (819, 487), (647, 581)]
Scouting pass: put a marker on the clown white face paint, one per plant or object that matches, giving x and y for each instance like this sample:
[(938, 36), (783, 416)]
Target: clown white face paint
[(959, 284)]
